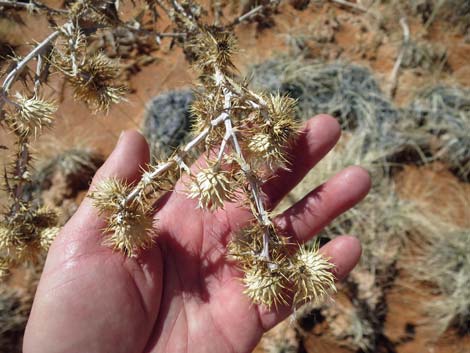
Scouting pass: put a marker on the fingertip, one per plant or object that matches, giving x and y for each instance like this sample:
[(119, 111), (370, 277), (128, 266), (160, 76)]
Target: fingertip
[(345, 252), (328, 124), (126, 160)]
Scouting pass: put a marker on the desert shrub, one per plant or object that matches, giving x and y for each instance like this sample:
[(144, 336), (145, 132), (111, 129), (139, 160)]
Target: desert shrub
[(75, 168), (167, 121)]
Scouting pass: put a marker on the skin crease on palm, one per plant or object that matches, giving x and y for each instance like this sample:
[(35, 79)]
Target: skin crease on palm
[(182, 295)]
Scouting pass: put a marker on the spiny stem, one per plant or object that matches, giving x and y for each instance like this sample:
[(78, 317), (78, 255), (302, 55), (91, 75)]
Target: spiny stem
[(35, 5), (20, 175), (261, 214), (11, 77), (140, 188)]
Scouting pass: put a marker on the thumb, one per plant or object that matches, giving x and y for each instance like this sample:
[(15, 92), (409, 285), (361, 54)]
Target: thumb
[(100, 300)]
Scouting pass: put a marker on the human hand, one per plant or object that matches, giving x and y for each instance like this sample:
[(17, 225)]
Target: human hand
[(182, 295)]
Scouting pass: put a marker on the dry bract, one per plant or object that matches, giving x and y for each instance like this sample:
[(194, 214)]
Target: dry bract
[(212, 187), (313, 277), (129, 232), (30, 116), (94, 82)]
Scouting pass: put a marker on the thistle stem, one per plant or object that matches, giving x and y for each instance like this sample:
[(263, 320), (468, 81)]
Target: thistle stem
[(11, 77), (140, 188), (33, 5), (261, 214), (20, 175)]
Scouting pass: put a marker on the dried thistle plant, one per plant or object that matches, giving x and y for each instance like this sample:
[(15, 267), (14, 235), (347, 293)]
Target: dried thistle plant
[(247, 134), (27, 228), (248, 131)]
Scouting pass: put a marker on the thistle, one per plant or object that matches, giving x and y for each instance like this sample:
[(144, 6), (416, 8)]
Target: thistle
[(212, 188), (130, 226), (247, 133), (312, 276), (266, 286), (30, 115), (94, 82)]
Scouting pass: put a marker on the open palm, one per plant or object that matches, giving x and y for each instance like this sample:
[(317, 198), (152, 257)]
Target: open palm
[(182, 295)]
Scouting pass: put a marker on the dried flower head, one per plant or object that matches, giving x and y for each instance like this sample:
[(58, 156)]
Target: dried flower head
[(312, 276), (130, 231), (95, 82), (31, 115), (267, 150), (214, 47), (6, 237), (130, 227), (101, 12), (109, 195), (266, 285), (47, 236), (212, 187), (205, 107), (282, 109), (273, 134)]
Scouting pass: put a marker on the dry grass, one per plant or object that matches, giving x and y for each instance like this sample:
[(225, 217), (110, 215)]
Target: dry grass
[(442, 113), (444, 262)]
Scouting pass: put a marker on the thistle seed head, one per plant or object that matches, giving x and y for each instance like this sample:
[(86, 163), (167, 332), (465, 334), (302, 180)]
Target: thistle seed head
[(206, 107), (94, 83), (130, 232), (266, 286), (214, 46), (47, 236), (268, 150), (212, 188), (31, 115), (8, 236), (312, 276), (109, 195), (281, 108)]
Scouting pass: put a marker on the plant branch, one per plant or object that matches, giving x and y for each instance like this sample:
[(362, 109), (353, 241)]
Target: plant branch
[(32, 5), (140, 188), (261, 214), (11, 77)]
